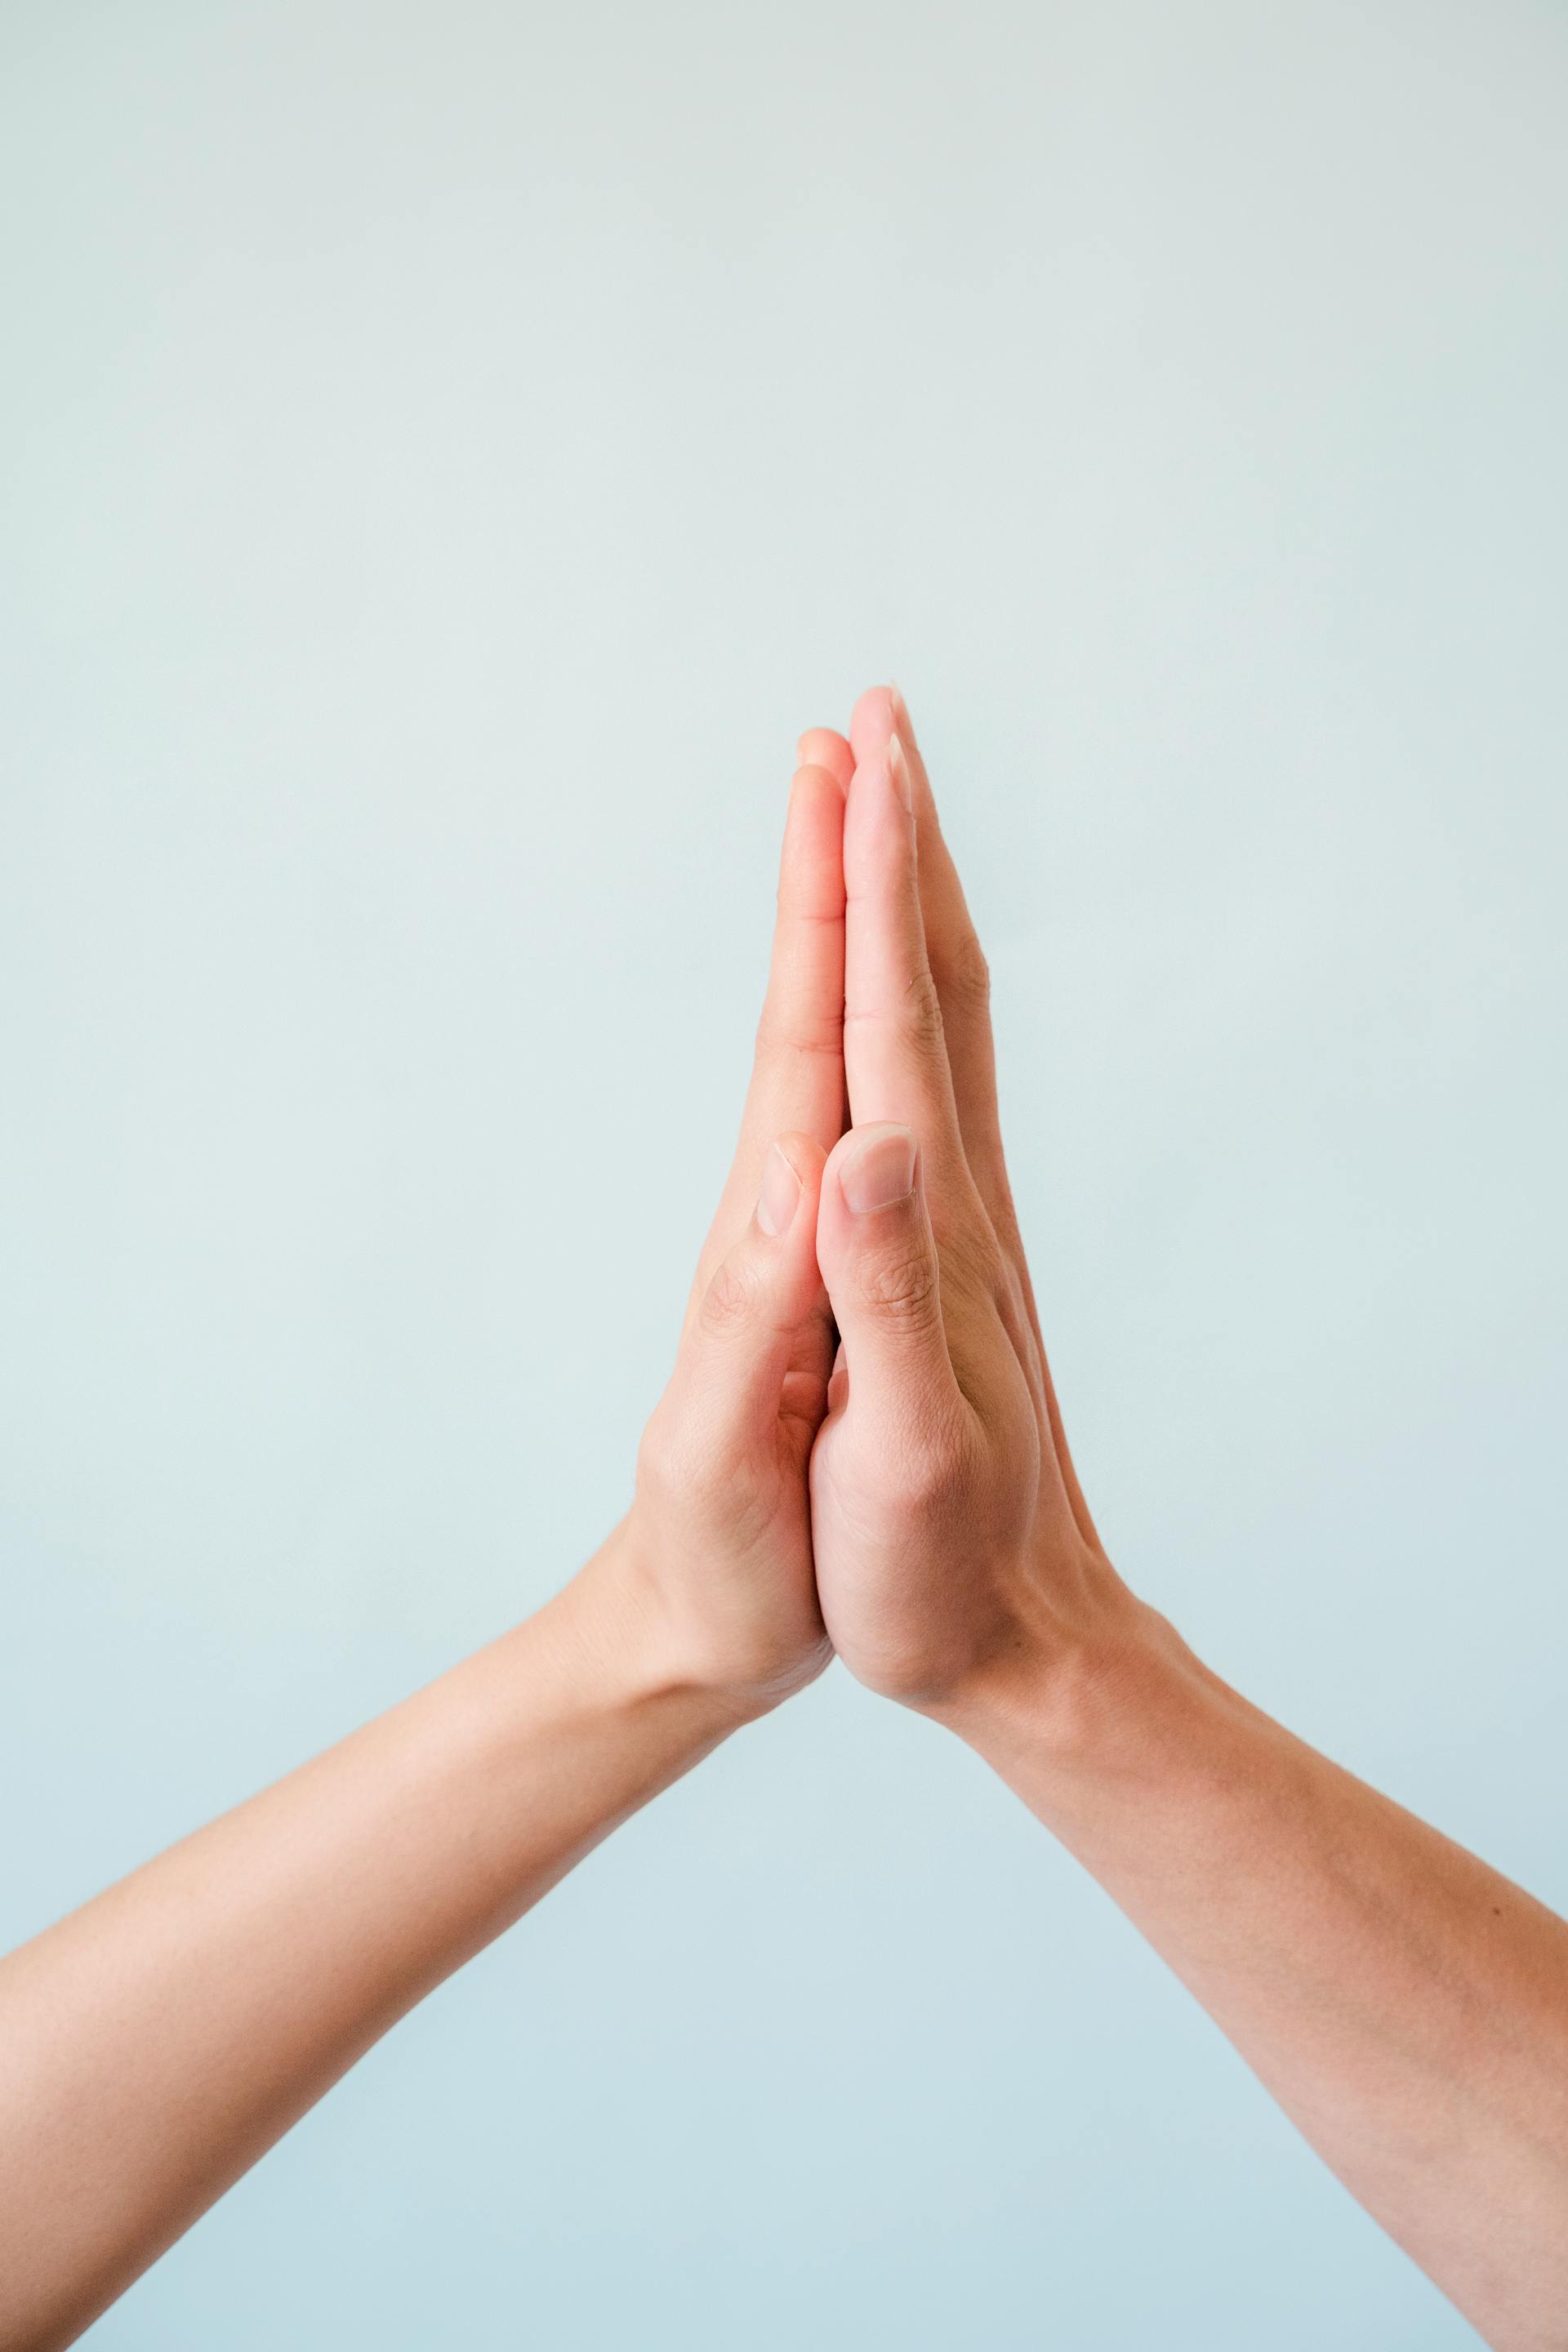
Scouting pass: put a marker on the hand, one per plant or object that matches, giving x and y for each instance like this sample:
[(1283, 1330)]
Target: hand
[(953, 1545), (155, 2043), (716, 1553), (1403, 2002)]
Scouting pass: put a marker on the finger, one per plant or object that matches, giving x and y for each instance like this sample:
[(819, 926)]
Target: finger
[(797, 1077), (895, 1059), (963, 983), (760, 1326), (879, 1260), (952, 945), (797, 1071), (824, 747)]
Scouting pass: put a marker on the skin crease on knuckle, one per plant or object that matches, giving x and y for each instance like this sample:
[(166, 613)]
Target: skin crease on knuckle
[(920, 1010), (783, 1039), (966, 975), (973, 1266), (901, 1288), (732, 1299)]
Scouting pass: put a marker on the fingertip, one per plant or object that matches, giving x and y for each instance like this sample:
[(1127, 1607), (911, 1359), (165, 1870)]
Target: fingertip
[(873, 723), (824, 747), (811, 871), (879, 840), (875, 1164), (877, 1167), (806, 1155)]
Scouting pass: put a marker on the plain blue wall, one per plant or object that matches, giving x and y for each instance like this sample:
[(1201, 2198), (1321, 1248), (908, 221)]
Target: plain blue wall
[(445, 454)]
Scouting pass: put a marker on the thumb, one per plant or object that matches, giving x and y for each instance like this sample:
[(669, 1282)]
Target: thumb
[(745, 1332), (879, 1259)]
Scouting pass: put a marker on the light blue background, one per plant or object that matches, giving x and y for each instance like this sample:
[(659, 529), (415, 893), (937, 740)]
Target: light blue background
[(445, 454)]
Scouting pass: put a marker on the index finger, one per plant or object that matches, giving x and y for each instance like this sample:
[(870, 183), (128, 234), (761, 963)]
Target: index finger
[(894, 1057), (957, 960), (797, 1074), (963, 983)]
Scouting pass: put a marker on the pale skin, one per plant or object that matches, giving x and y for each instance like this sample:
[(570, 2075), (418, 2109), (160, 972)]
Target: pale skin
[(859, 1450)]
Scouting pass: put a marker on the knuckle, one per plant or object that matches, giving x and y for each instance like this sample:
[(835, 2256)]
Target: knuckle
[(800, 1035), (730, 1301), (967, 974), (921, 1008), (977, 1256), (971, 1258), (901, 1291)]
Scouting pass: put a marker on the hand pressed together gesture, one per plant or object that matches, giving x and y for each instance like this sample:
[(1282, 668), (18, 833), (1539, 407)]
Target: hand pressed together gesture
[(858, 1449), (945, 1526)]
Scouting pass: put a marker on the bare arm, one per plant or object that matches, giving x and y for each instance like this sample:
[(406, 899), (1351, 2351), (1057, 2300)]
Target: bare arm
[(156, 2043), (1405, 2004)]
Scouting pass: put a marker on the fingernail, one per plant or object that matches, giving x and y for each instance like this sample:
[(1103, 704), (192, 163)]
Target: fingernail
[(899, 770), (879, 1171), (901, 719), (780, 1194)]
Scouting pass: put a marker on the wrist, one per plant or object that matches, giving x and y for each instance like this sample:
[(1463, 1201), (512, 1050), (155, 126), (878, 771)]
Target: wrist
[(1133, 1752), (1091, 1675), (626, 1609)]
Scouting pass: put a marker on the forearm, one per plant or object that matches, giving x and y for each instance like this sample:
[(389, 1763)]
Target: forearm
[(156, 2043), (1407, 2005)]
